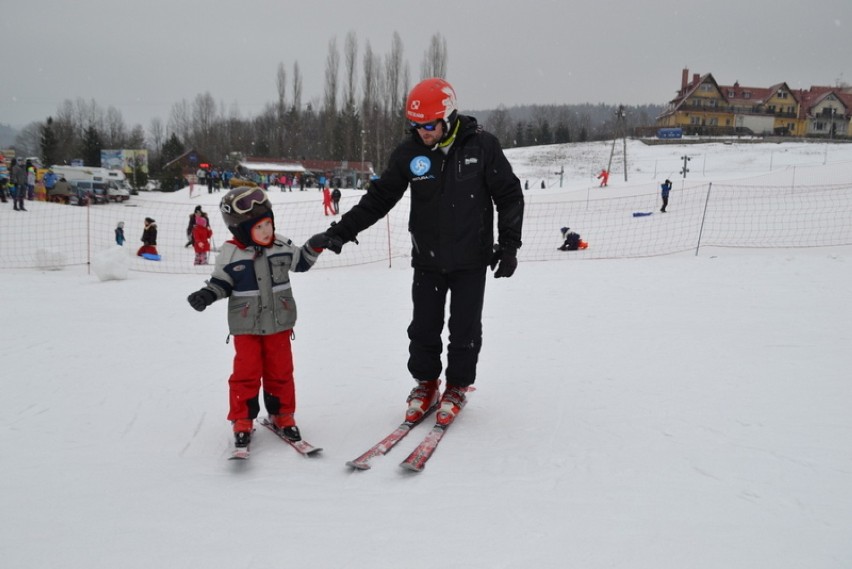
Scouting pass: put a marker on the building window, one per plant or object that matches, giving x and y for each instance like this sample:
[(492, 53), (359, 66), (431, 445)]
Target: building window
[(746, 95)]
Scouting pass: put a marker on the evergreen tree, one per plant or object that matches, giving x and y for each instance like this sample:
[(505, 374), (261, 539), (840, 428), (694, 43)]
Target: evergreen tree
[(91, 147), (520, 139), (172, 149), (562, 133), (544, 134), (49, 143)]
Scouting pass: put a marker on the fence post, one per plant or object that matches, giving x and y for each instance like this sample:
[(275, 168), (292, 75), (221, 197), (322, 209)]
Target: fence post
[(89, 238), (703, 217), (390, 252)]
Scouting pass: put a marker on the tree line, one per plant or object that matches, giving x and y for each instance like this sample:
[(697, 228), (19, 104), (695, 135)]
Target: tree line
[(360, 116)]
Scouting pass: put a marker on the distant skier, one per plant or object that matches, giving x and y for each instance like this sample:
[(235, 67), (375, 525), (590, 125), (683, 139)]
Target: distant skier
[(603, 177), (335, 201), (119, 233), (665, 188)]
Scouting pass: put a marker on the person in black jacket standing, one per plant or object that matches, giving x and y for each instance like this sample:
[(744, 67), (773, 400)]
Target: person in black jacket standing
[(457, 174)]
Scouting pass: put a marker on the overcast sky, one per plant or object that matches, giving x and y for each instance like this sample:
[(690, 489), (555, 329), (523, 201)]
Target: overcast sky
[(143, 57)]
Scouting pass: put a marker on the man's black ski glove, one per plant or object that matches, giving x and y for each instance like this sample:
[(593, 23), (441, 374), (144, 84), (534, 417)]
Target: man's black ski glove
[(326, 241), (506, 258)]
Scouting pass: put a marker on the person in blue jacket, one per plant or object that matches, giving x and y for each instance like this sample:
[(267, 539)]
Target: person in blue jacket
[(665, 188)]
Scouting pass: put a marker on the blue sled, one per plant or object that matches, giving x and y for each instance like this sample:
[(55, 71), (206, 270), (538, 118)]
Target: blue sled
[(642, 213), (151, 256)]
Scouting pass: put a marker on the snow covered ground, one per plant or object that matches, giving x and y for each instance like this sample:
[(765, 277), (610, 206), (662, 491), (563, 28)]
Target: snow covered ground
[(666, 412)]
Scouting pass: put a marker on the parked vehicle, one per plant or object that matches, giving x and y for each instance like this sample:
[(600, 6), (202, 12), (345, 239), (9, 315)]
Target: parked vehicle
[(113, 181), (78, 196), (98, 192), (117, 193)]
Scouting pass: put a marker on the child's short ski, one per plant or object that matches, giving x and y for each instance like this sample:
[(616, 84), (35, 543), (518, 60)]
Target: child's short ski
[(387, 443), (303, 447), (239, 453)]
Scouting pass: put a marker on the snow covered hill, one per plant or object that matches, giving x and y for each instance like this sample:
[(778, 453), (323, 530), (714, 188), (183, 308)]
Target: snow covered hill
[(670, 412)]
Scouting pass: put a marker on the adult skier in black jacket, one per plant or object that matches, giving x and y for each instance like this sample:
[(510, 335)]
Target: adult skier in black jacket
[(457, 174)]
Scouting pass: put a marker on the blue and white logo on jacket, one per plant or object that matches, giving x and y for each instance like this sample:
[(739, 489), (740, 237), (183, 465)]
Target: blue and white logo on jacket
[(420, 165)]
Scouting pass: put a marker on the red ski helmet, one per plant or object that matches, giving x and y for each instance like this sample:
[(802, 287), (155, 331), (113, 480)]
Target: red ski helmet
[(431, 100)]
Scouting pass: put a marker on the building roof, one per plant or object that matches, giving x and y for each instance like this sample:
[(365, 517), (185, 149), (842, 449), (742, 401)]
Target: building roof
[(274, 166)]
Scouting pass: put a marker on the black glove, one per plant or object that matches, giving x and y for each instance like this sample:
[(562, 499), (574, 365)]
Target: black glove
[(506, 258), (201, 299), (326, 241)]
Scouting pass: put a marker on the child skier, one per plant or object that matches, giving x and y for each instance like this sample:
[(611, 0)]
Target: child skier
[(253, 272), (119, 233), (201, 235)]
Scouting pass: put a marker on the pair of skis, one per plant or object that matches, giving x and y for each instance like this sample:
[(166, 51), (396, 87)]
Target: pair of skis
[(416, 461), (302, 447)]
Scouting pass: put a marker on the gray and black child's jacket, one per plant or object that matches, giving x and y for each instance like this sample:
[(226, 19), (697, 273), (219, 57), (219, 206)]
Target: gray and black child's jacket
[(257, 284)]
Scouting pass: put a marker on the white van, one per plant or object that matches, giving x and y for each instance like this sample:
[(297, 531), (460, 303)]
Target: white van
[(116, 189)]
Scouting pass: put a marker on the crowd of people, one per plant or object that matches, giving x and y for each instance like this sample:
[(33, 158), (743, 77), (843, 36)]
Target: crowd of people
[(20, 184)]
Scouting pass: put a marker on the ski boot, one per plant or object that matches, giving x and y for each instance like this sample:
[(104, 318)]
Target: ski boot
[(285, 425), (422, 399), (452, 402)]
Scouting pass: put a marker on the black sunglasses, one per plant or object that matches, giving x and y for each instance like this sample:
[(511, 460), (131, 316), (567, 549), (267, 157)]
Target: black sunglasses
[(429, 126)]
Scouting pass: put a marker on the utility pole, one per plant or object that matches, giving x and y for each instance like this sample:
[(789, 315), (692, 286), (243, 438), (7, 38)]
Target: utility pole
[(620, 130), (561, 174)]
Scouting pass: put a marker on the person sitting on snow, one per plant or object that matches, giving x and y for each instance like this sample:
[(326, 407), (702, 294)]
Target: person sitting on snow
[(572, 240)]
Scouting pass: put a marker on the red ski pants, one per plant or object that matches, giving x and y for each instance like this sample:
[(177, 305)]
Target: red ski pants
[(266, 361)]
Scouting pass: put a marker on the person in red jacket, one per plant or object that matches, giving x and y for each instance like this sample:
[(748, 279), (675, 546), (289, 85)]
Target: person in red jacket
[(326, 201), (201, 234), (603, 177)]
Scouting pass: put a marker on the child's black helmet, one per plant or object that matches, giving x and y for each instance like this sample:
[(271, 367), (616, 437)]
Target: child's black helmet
[(242, 207)]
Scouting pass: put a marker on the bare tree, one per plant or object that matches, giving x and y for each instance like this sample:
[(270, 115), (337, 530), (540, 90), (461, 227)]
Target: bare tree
[(281, 109), (158, 135), (297, 87), (350, 127), (28, 139), (180, 122), (350, 56), (332, 67), (435, 59), (115, 132), (136, 138), (294, 145), (500, 125), (328, 117), (370, 101)]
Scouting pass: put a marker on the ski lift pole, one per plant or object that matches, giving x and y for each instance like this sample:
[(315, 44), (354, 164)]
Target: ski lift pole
[(561, 174)]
